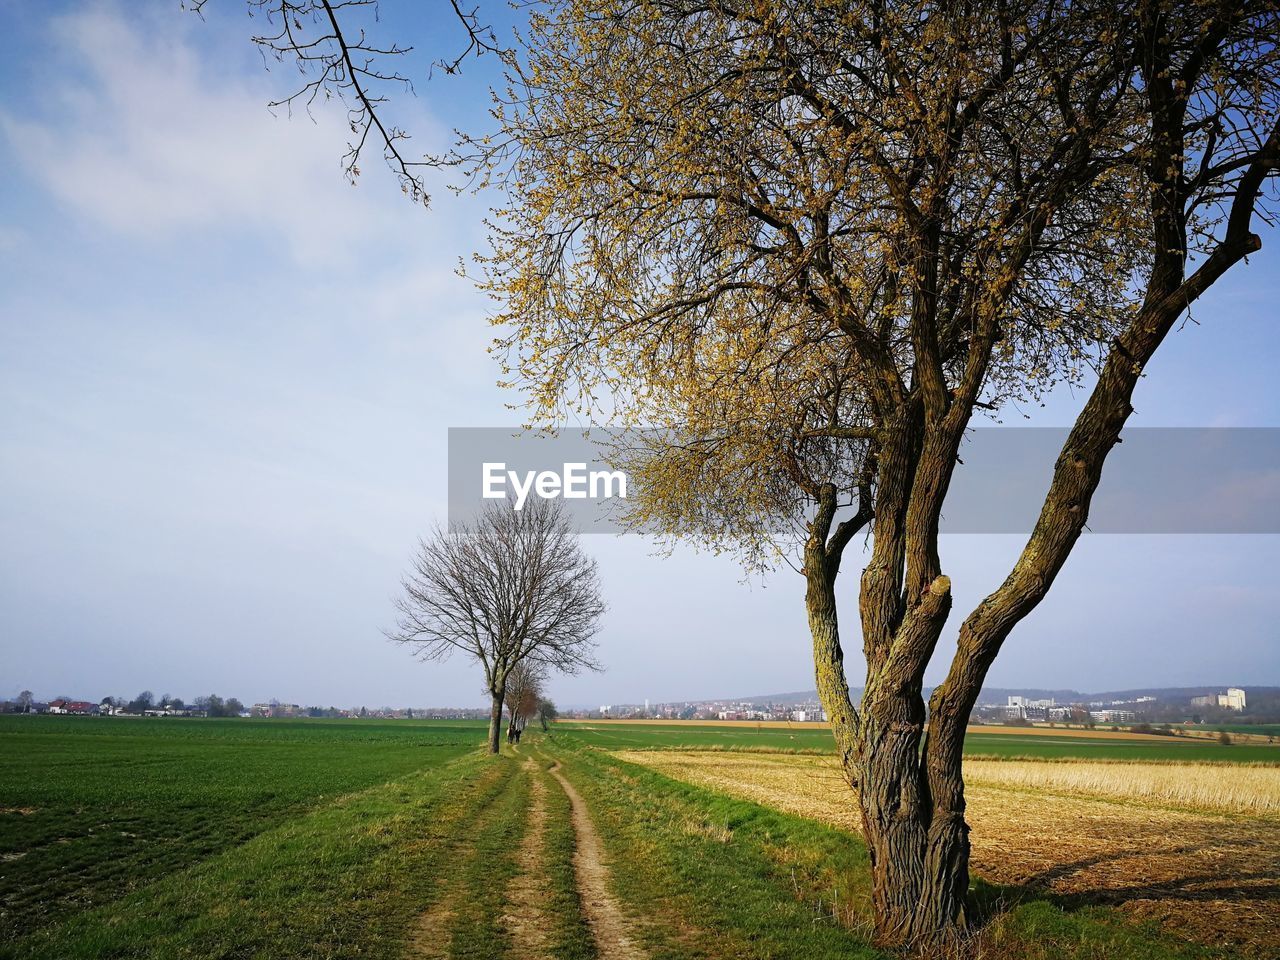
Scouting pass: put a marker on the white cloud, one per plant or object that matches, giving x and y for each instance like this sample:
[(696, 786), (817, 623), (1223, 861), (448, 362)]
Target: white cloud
[(147, 133)]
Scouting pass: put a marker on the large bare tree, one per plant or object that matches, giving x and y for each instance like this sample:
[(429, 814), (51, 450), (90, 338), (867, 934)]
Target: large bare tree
[(810, 241), (511, 589)]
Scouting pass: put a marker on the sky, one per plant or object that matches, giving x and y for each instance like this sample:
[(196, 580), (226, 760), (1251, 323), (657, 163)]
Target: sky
[(226, 377)]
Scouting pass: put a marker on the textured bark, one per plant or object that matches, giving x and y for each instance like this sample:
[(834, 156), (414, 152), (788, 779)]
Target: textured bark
[(495, 719), (919, 860), (919, 850), (823, 551), (828, 662)]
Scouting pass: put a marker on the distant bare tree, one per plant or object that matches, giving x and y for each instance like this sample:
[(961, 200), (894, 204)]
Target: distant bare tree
[(25, 699), (547, 712), (513, 587), (142, 702), (524, 690)]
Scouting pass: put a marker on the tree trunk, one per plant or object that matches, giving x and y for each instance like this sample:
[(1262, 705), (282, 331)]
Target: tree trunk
[(920, 878), (828, 661), (912, 816), (919, 850), (495, 721)]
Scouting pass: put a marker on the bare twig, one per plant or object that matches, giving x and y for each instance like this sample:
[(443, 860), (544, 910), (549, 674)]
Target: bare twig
[(337, 60)]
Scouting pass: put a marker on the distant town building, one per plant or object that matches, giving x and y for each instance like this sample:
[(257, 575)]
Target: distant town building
[(72, 706), (1112, 716), (1233, 699)]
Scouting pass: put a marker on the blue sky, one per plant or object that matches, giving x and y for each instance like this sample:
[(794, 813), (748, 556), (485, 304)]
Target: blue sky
[(226, 378)]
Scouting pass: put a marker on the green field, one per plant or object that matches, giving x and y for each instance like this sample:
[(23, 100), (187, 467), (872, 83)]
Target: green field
[(96, 807), (165, 839), (1259, 729), (644, 735)]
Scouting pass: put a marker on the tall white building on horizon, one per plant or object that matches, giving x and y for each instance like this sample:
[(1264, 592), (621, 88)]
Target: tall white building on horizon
[(1233, 699)]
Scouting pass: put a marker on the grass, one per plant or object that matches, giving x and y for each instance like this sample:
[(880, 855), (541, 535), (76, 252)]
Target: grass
[(380, 840), (325, 839), (802, 738), (481, 871), (715, 877), (343, 880), (569, 936), (93, 808)]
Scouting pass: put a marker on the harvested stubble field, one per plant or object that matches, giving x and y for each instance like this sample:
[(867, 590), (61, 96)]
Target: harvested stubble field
[(1251, 789), (989, 740), (1195, 847)]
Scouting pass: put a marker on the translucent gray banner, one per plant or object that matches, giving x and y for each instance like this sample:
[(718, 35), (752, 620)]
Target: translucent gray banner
[(1158, 480)]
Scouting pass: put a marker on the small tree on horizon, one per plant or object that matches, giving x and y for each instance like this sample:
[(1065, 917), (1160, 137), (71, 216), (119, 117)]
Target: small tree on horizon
[(511, 587), (547, 714)]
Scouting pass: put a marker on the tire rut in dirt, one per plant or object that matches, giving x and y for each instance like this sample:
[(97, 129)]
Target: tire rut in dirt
[(433, 932), (613, 931)]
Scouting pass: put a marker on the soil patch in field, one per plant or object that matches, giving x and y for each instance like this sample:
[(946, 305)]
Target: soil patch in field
[(1211, 878), (430, 936)]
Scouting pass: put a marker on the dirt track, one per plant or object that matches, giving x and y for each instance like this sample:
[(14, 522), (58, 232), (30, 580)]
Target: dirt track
[(610, 927)]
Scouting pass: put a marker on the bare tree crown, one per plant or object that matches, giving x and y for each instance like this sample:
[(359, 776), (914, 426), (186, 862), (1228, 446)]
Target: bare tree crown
[(507, 588)]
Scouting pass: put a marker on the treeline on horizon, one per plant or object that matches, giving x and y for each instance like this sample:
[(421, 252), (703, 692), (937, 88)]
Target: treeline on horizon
[(213, 705)]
